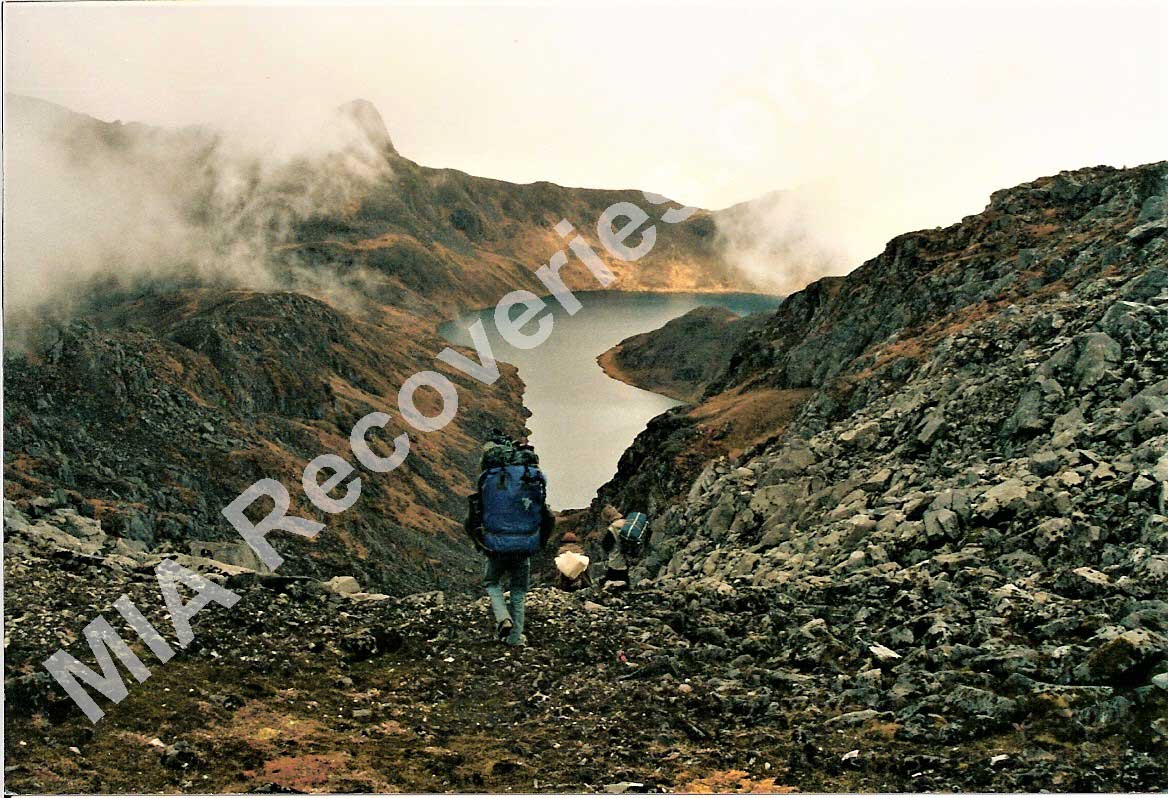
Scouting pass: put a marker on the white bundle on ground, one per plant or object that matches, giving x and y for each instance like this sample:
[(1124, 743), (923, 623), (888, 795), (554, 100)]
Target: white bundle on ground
[(571, 564)]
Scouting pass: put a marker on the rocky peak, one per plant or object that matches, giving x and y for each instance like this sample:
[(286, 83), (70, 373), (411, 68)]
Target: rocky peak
[(367, 118)]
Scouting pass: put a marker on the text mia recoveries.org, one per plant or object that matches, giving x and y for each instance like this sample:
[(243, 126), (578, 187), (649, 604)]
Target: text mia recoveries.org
[(106, 643)]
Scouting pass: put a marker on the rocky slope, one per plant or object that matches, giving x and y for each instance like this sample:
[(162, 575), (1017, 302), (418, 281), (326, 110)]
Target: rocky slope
[(155, 414), (913, 538), (307, 687), (841, 343), (684, 356), (966, 507)]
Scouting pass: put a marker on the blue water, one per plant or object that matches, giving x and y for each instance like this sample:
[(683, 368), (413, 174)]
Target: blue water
[(582, 420)]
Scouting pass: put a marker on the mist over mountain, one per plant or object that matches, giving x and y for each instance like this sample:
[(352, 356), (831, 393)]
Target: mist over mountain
[(93, 204), (328, 207), (782, 240), (910, 533)]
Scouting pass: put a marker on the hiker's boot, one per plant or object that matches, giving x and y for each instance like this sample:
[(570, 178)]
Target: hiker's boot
[(616, 580), (503, 629)]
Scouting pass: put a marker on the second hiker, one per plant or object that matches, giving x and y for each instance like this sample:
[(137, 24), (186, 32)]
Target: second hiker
[(572, 564), (625, 542)]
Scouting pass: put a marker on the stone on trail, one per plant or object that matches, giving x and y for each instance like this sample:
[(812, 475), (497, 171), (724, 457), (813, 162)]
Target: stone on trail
[(862, 437), (343, 585), (1123, 657), (883, 653), (1009, 496)]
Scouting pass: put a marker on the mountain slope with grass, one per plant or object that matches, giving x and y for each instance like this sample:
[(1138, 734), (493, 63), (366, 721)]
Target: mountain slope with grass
[(914, 535), (285, 300), (684, 356)]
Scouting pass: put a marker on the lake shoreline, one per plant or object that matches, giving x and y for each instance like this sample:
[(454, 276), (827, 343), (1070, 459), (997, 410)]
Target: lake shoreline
[(584, 413), (620, 292), (607, 362)]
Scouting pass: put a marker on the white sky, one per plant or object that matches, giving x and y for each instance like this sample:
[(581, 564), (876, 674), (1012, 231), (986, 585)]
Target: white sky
[(904, 116)]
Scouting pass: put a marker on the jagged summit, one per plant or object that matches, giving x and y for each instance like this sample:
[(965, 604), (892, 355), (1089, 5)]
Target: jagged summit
[(368, 119)]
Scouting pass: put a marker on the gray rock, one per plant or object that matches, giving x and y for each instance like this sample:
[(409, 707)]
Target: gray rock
[(343, 585), (931, 430), (941, 524), (239, 554), (1051, 532), (1098, 354), (1029, 415), (792, 461), (863, 436), (1154, 207), (1045, 463), (1008, 497), (1143, 233), (856, 718), (1124, 657), (973, 701)]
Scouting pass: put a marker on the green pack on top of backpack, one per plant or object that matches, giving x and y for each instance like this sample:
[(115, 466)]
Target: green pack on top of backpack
[(501, 451), (634, 530)]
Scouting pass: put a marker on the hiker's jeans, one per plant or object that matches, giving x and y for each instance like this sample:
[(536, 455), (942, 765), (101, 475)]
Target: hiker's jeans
[(517, 570)]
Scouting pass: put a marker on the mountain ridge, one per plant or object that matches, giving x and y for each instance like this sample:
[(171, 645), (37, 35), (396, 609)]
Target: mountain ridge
[(941, 566), (913, 537)]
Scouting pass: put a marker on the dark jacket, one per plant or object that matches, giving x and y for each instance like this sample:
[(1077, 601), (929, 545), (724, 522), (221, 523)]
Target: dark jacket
[(474, 523)]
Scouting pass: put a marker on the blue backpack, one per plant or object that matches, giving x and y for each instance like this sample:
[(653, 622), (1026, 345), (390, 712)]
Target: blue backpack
[(513, 498), (632, 533)]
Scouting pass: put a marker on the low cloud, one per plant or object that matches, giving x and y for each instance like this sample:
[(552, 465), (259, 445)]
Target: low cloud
[(123, 205), (783, 240)]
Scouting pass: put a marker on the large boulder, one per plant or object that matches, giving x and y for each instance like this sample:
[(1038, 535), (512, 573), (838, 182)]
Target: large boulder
[(1098, 354), (1128, 658)]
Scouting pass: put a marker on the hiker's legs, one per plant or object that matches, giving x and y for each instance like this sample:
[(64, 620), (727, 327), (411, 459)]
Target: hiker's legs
[(520, 581), (618, 567), (492, 581)]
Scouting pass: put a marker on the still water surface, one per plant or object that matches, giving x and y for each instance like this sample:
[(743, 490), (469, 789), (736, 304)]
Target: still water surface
[(582, 420)]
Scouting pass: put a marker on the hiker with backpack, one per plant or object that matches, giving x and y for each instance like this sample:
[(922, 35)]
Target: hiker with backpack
[(624, 542), (572, 565), (509, 521)]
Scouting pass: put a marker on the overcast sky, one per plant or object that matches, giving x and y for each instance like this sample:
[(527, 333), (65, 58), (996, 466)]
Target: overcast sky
[(902, 116)]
